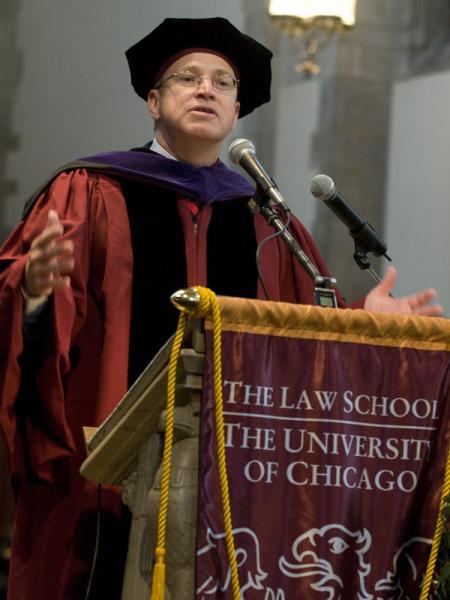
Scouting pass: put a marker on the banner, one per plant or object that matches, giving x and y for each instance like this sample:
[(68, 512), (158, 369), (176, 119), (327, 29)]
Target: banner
[(336, 430)]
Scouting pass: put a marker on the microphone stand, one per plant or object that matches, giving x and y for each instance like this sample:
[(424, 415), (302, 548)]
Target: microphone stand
[(362, 260), (323, 292)]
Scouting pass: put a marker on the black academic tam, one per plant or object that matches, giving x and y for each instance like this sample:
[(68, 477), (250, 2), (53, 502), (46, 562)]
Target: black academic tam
[(172, 36)]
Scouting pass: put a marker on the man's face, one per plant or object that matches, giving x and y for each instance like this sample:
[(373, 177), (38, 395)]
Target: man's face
[(202, 112)]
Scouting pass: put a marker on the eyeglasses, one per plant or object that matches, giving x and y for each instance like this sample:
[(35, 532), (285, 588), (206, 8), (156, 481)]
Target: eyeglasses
[(222, 81)]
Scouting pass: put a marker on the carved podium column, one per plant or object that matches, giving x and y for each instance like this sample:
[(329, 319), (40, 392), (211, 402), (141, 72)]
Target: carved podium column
[(126, 450)]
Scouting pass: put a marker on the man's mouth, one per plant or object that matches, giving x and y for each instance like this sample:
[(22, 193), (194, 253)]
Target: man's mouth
[(204, 109)]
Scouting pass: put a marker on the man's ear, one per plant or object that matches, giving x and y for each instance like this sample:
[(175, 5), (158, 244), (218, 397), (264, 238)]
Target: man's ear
[(153, 99), (236, 116)]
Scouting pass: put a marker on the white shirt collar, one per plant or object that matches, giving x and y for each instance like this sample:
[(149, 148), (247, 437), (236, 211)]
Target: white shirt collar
[(156, 147)]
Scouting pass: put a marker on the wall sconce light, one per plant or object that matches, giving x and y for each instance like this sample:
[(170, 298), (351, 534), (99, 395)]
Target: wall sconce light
[(312, 23)]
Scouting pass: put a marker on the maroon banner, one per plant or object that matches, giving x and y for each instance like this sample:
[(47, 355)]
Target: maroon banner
[(336, 453)]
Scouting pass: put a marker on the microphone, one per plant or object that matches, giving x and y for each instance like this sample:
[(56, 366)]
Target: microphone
[(323, 188), (243, 153)]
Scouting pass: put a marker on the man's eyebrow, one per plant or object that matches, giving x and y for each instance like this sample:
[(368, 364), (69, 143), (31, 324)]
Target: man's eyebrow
[(219, 70)]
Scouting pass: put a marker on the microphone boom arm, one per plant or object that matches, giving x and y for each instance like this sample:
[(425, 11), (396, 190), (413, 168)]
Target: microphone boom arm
[(323, 291)]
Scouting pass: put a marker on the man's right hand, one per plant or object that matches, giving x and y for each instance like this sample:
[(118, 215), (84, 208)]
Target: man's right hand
[(49, 260)]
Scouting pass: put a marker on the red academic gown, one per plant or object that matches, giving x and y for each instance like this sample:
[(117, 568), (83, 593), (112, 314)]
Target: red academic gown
[(56, 509)]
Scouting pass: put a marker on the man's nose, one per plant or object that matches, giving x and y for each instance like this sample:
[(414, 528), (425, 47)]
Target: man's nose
[(205, 86)]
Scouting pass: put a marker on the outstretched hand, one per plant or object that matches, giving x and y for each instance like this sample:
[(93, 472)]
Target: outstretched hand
[(379, 300), (49, 260)]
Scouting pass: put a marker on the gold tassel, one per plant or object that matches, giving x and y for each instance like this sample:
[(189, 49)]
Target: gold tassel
[(159, 576)]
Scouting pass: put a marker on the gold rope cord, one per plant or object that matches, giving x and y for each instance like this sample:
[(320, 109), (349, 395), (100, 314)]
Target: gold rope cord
[(209, 301), (437, 535), (208, 305), (159, 570)]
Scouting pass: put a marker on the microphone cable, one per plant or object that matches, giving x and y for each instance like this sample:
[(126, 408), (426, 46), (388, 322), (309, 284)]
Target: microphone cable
[(260, 247), (97, 542)]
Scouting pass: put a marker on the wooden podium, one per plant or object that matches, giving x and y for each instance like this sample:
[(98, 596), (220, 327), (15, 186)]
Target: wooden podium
[(352, 385)]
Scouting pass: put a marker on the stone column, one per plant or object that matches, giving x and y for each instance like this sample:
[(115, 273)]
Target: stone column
[(9, 77)]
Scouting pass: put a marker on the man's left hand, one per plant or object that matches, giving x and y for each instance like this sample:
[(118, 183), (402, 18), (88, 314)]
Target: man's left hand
[(379, 300)]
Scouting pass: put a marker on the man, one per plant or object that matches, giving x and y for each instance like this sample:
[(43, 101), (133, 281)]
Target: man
[(92, 265)]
